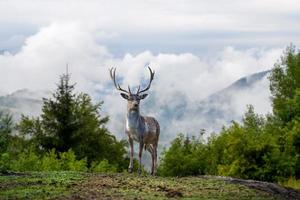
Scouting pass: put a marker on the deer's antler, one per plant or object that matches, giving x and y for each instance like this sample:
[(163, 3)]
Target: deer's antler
[(112, 72), (149, 84)]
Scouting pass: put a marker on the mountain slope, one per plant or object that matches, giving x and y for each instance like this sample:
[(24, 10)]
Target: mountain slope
[(230, 103)]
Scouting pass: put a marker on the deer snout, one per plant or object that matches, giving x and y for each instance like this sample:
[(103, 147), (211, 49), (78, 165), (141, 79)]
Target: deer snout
[(135, 104)]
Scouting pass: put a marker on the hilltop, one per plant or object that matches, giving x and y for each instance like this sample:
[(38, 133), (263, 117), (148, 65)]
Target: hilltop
[(75, 185)]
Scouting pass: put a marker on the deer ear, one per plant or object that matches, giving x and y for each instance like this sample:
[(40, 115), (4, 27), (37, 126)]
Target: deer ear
[(143, 96), (125, 96)]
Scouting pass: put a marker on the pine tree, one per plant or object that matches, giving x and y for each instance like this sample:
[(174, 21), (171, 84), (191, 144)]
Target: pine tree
[(59, 120), (72, 121)]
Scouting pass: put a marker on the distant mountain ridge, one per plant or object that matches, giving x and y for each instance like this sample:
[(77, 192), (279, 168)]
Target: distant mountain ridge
[(219, 107), (248, 80)]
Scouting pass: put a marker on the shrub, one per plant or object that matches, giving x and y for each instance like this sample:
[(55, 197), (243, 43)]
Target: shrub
[(50, 162), (27, 161), (69, 162), (103, 166), (5, 162)]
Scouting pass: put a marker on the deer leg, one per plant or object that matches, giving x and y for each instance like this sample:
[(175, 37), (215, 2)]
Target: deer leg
[(154, 162), (140, 157), (152, 167), (152, 156), (130, 168), (150, 149)]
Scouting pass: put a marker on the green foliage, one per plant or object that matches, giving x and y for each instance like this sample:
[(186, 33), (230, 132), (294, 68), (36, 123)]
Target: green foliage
[(50, 162), (72, 121), (253, 152), (103, 167), (32, 128), (292, 182), (263, 148), (29, 160), (69, 162), (39, 185), (285, 89), (5, 161), (70, 134), (184, 157), (26, 161), (58, 117), (285, 85), (250, 150), (6, 125)]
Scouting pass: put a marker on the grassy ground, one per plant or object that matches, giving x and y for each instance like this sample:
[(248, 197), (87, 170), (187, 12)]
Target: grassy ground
[(39, 185), (292, 182), (74, 185)]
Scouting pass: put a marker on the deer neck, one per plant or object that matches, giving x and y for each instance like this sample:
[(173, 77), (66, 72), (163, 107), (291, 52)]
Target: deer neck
[(134, 120)]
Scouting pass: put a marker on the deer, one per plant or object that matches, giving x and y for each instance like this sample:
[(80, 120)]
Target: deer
[(142, 129)]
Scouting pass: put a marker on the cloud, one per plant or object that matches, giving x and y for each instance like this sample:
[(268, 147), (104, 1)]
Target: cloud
[(180, 81), (156, 15), (184, 26), (44, 56)]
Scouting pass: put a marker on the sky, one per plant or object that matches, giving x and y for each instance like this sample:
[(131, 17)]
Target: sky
[(196, 47)]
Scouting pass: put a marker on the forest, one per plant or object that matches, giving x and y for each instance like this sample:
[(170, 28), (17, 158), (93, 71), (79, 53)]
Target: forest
[(71, 135), (265, 148)]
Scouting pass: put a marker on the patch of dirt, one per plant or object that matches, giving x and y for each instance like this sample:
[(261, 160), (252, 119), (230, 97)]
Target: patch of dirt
[(96, 187), (121, 187), (171, 193), (174, 193)]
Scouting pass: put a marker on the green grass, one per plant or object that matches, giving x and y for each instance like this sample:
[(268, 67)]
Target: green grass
[(38, 185), (121, 186), (292, 182), (72, 185)]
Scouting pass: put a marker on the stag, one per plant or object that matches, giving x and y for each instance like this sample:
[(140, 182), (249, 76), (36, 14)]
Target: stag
[(142, 129)]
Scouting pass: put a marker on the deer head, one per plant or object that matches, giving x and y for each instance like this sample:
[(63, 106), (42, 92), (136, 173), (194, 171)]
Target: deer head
[(133, 99)]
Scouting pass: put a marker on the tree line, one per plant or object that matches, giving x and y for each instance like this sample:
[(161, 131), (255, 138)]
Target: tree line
[(70, 134), (260, 147)]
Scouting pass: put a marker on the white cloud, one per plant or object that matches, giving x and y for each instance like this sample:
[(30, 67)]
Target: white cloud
[(44, 56), (167, 15), (180, 80), (210, 23)]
